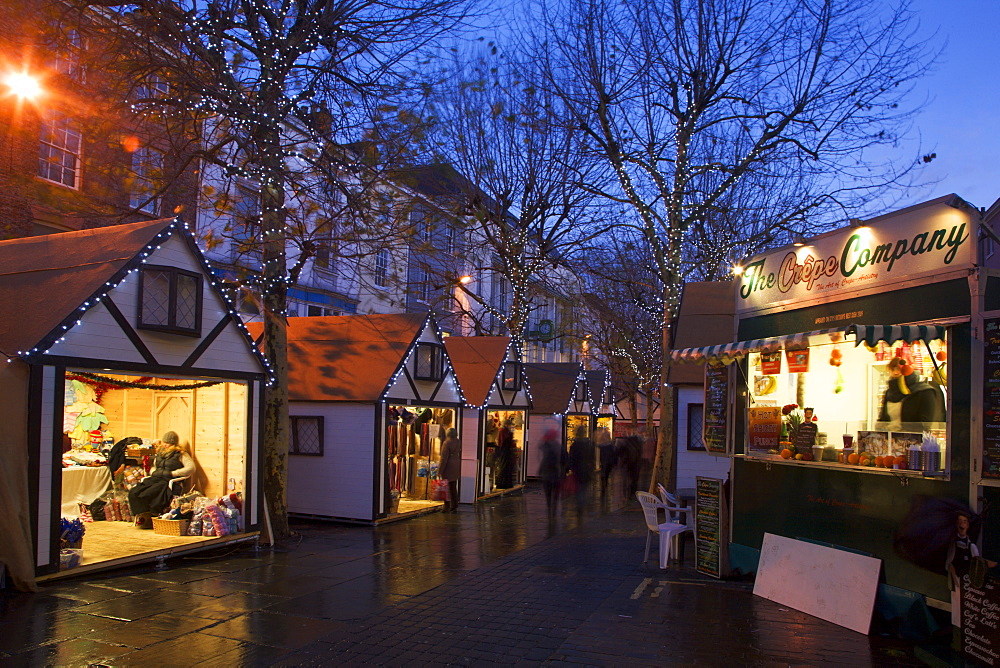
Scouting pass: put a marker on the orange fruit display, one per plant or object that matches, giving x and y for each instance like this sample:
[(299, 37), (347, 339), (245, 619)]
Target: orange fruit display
[(864, 461), (853, 458), (889, 461), (786, 454), (880, 461)]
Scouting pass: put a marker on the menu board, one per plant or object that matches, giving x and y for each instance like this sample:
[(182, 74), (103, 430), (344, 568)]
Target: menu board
[(711, 533), (981, 621), (991, 398), (716, 407)]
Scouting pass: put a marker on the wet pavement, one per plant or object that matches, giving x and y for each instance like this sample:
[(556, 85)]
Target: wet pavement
[(499, 583)]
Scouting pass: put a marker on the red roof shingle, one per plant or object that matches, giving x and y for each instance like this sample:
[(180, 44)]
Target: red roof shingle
[(477, 361), (345, 357), (44, 279)]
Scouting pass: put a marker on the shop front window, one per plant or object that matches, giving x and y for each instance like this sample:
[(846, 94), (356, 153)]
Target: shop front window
[(503, 461), (836, 403), (414, 438), (577, 426), (189, 432)]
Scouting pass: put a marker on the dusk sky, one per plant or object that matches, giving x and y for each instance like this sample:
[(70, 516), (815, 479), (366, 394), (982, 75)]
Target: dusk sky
[(959, 122)]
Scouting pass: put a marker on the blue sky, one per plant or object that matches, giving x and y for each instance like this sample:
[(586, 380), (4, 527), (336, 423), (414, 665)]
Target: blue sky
[(960, 120)]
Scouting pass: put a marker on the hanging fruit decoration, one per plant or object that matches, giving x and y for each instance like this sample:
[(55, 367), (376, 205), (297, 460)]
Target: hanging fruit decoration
[(835, 361)]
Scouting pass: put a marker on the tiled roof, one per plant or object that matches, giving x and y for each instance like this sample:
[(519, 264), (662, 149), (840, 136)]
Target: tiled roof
[(551, 385), (476, 361), (346, 357), (44, 279)]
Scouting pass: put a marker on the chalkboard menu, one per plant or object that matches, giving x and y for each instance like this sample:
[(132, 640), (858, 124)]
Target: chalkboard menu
[(981, 621), (711, 533), (716, 407), (991, 398)]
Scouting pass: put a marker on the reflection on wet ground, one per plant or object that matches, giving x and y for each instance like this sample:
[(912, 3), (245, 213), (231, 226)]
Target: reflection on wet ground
[(500, 582), (303, 589)]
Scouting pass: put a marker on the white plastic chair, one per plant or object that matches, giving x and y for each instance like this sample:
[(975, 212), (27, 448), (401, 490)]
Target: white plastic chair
[(669, 531)]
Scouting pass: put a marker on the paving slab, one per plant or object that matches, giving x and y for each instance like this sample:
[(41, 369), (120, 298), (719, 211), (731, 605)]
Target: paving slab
[(502, 583)]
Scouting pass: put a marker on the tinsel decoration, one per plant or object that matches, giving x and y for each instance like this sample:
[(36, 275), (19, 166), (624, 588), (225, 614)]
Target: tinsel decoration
[(98, 381)]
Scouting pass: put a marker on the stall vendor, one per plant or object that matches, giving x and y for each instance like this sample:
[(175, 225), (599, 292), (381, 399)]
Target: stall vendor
[(908, 399), (152, 495)]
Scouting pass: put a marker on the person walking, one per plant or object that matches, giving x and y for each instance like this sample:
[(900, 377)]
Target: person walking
[(606, 451), (450, 468), (552, 468), (582, 464)]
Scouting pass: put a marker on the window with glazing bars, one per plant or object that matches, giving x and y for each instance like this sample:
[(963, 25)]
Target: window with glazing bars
[(170, 300), (306, 435), (60, 150)]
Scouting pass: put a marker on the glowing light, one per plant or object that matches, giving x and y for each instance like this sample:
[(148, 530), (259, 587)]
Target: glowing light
[(23, 85)]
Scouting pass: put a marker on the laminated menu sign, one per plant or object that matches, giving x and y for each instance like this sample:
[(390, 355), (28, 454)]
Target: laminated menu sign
[(991, 398), (711, 534), (716, 409), (981, 621), (765, 427)]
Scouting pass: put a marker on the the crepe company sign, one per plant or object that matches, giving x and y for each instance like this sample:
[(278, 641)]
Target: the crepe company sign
[(856, 259)]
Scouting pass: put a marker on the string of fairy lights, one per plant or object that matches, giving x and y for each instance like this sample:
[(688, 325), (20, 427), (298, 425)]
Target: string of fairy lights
[(60, 332)]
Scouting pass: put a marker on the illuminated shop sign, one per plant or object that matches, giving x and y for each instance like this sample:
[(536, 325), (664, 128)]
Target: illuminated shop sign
[(893, 249)]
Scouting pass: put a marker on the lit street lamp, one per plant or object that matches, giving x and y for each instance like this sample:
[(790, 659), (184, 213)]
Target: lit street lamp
[(23, 85)]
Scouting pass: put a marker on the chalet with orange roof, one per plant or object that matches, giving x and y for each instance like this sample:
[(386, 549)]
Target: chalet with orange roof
[(370, 400), (495, 419), (560, 400)]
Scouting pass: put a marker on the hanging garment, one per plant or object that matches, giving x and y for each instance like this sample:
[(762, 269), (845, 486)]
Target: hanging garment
[(442, 416)]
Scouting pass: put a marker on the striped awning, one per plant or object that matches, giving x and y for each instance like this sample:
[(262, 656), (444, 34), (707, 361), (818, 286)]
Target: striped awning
[(727, 353), (872, 334)]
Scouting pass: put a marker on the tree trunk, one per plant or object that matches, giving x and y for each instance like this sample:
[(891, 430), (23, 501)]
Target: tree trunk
[(665, 462), (274, 292)]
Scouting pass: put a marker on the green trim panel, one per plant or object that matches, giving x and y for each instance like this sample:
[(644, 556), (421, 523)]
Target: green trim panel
[(926, 302)]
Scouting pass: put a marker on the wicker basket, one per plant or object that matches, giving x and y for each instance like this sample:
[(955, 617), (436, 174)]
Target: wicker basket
[(170, 527)]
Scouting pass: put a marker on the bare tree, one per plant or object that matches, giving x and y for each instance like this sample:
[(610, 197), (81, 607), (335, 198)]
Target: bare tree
[(621, 293), (252, 71), (694, 103), (520, 169)]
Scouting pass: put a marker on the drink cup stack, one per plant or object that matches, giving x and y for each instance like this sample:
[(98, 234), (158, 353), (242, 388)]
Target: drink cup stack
[(930, 454)]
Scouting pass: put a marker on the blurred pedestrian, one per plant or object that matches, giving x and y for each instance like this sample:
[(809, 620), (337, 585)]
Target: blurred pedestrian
[(629, 453), (552, 468), (450, 468), (505, 456), (606, 456), (582, 463)]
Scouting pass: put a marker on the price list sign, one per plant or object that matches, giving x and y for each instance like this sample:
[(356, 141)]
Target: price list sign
[(710, 527), (981, 621), (991, 398), (716, 407)]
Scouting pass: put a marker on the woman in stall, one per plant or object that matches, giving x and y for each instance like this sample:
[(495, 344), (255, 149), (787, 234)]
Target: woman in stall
[(152, 495)]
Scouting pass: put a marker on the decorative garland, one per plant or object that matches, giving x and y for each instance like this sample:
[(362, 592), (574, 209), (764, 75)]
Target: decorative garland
[(98, 380)]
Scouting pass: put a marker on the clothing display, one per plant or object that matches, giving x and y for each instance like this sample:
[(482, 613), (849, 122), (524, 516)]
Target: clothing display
[(413, 446)]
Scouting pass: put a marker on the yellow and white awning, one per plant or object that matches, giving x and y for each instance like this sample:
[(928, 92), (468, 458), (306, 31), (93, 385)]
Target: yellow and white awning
[(727, 353)]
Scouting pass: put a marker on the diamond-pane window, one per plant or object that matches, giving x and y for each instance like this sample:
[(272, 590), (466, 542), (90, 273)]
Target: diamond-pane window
[(511, 376), (696, 415), (430, 362), (170, 300), (156, 297), (306, 435)]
